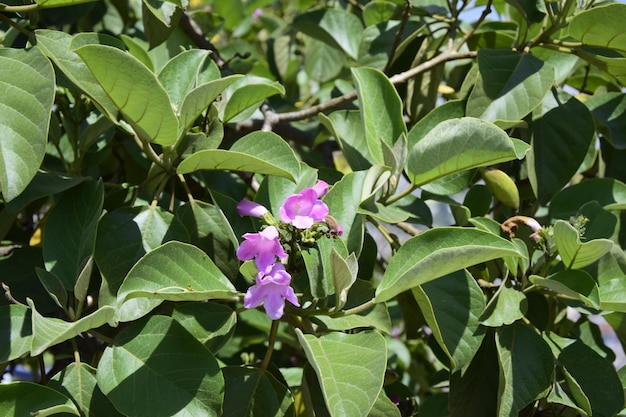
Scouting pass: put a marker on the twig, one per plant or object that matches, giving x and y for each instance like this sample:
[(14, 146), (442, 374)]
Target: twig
[(7, 294), (270, 346), (398, 39), (191, 28), (20, 28)]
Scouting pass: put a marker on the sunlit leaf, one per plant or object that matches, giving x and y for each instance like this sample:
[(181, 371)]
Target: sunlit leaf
[(246, 93), (510, 86), (456, 145), (438, 252), (349, 367), (334, 27), (259, 152), (575, 284), (507, 305), (139, 382), (25, 106), (574, 253), (135, 90), (600, 26)]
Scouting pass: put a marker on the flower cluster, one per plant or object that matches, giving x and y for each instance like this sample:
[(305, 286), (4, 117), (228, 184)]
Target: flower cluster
[(273, 283)]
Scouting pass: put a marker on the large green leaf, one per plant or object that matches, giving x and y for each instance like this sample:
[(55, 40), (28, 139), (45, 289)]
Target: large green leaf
[(70, 231), (15, 332), (587, 367), (574, 253), (456, 145), (124, 236), (510, 86), (56, 46), (438, 252), (609, 193), (249, 393), (30, 399), (350, 369), (49, 331), (600, 26), (258, 152), (334, 27), (527, 368), (135, 91), (375, 92), (451, 306), (319, 265), (157, 368), (27, 85), (612, 280), (78, 382), (174, 271), (561, 135), (246, 93), (346, 126)]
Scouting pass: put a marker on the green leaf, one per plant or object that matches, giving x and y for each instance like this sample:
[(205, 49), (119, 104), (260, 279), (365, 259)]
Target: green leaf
[(135, 91), (48, 331), (323, 63), (16, 331), (319, 265), (344, 273), (378, 11), (124, 236), (384, 407), (174, 271), (506, 306), (510, 86), (78, 382), (210, 231), (56, 46), (25, 107), (30, 399), (349, 367), (346, 126), (561, 136), (573, 284), (375, 92), (245, 93), (200, 98), (610, 110), (249, 393), (600, 26), (587, 368), (54, 286), (451, 306), (159, 18), (438, 252), (45, 183), (574, 253), (139, 382), (334, 27), (609, 193), (75, 218), (376, 317), (180, 75), (456, 145), (258, 152), (612, 280), (211, 323), (138, 48), (527, 368)]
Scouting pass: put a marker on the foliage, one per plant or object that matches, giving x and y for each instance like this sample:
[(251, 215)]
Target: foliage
[(446, 180)]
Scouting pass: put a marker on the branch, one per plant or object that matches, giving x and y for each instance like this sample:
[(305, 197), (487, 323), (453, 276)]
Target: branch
[(191, 28)]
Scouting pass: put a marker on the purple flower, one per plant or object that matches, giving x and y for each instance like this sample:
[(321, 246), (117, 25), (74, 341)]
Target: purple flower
[(305, 208), (249, 208), (255, 15), (263, 247), (272, 289)]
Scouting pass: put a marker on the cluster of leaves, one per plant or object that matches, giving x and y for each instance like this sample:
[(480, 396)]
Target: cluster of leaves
[(131, 130)]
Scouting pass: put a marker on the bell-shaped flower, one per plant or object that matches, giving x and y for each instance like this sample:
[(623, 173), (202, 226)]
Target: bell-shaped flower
[(249, 208), (263, 247), (272, 289), (305, 208)]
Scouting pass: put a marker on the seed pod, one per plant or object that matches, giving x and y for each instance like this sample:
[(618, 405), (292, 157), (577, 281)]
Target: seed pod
[(502, 186)]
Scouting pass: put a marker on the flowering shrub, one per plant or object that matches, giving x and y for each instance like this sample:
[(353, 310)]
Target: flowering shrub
[(305, 208)]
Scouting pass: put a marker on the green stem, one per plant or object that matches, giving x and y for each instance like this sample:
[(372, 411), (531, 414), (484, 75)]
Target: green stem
[(395, 245), (25, 8), (270, 346), (399, 196)]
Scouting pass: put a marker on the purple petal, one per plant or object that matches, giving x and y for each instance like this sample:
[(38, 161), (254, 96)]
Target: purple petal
[(254, 297), (291, 296), (321, 188), (249, 208), (302, 222), (248, 248), (319, 211), (274, 302)]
